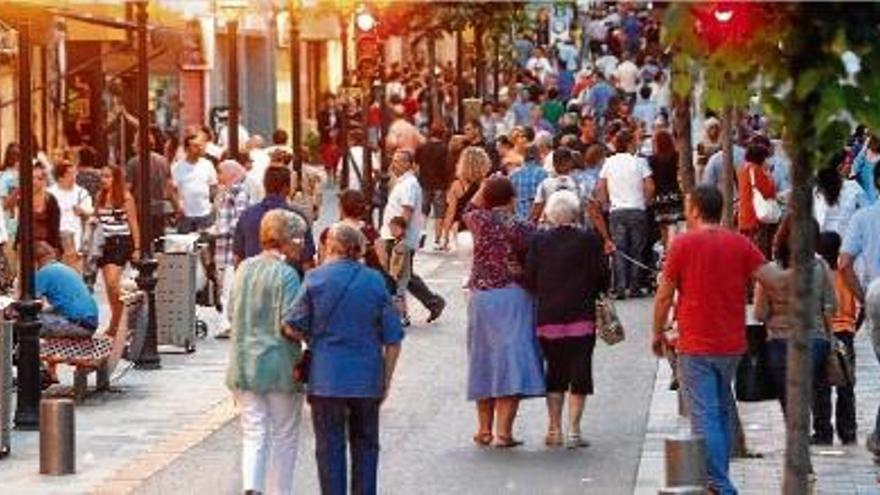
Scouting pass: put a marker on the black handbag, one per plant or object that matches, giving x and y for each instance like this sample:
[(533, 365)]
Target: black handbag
[(752, 376)]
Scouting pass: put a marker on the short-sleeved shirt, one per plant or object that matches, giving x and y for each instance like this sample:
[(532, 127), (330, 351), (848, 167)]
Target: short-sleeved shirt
[(346, 313), (862, 240), (551, 185), (625, 174), (406, 193), (65, 290), (526, 180), (714, 171), (193, 182), (711, 268)]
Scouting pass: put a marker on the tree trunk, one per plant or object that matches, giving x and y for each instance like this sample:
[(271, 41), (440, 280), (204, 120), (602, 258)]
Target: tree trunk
[(480, 60), (681, 127), (799, 382), (728, 174)]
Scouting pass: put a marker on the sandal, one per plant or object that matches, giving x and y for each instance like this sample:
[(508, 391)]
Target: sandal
[(575, 441), (506, 442), (483, 439), (553, 438)]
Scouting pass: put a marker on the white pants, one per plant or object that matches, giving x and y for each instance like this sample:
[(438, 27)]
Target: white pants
[(270, 434), (227, 278)]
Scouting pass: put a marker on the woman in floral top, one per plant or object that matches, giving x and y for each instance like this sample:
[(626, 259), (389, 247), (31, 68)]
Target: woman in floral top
[(504, 358)]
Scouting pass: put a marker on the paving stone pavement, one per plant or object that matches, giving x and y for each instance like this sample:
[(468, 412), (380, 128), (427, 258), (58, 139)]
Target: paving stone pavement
[(427, 424), (840, 470)]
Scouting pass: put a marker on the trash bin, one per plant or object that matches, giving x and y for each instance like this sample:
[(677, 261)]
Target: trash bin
[(176, 291), (5, 386)]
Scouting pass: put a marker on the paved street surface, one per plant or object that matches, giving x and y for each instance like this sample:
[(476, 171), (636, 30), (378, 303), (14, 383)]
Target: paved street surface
[(427, 424), (839, 470)]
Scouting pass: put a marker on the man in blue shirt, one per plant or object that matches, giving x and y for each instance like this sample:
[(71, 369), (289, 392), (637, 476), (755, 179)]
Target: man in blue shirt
[(526, 180), (862, 242), (345, 313), (71, 310), (246, 240)]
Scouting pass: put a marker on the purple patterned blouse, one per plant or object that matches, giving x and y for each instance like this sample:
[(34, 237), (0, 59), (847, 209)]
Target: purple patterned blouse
[(500, 244)]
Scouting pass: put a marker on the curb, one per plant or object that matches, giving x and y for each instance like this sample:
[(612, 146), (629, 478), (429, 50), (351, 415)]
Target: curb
[(128, 478), (663, 421)]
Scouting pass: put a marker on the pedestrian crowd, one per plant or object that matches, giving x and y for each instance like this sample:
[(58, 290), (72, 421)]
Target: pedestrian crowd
[(562, 192)]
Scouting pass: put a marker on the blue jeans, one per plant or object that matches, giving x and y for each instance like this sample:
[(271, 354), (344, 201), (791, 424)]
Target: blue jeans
[(629, 234), (777, 358), (330, 417), (707, 387)]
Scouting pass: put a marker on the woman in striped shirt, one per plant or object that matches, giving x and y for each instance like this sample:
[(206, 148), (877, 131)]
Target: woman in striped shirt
[(117, 216)]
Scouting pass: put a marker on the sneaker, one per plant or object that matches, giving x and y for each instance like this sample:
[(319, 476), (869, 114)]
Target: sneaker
[(847, 441), (436, 309), (405, 321)]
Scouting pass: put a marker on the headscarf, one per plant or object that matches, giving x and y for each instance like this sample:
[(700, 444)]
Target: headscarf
[(234, 169)]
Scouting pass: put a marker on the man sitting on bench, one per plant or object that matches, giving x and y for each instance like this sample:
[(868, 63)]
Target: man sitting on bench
[(71, 311)]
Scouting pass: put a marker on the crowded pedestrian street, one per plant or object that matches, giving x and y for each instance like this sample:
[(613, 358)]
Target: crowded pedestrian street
[(276, 247)]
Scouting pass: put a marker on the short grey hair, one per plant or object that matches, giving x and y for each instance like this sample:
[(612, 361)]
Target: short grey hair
[(346, 241), (544, 140), (280, 227), (563, 208)]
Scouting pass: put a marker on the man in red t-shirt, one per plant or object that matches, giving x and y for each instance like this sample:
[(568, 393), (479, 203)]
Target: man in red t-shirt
[(710, 268)]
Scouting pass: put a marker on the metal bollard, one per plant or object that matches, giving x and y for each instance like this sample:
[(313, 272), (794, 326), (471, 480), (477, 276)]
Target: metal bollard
[(685, 461), (57, 437), (683, 407), (5, 387), (682, 490)]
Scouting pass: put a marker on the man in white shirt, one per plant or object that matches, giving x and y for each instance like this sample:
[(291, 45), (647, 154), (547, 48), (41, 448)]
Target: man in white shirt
[(402, 135), (195, 179), (405, 200), (75, 204), (627, 75), (625, 183), (540, 66)]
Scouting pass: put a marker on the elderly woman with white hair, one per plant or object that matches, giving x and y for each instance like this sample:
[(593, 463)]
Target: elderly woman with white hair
[(345, 314), (566, 271), (233, 199), (262, 358)]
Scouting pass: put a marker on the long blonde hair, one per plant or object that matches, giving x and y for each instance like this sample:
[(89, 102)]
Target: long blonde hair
[(473, 165)]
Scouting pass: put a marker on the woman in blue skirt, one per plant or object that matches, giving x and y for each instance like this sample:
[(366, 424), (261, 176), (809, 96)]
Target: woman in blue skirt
[(503, 353)]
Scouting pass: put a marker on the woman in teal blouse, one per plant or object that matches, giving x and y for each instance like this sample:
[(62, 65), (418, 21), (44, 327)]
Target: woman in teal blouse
[(260, 371)]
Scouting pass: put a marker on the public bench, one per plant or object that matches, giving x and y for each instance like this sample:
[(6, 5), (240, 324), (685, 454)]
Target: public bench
[(98, 354)]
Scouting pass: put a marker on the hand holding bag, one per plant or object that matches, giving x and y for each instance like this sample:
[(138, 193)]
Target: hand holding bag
[(303, 364), (839, 371), (766, 210), (608, 324)]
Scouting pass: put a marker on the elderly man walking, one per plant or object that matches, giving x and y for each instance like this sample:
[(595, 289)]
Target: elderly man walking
[(862, 241), (405, 201), (709, 267)]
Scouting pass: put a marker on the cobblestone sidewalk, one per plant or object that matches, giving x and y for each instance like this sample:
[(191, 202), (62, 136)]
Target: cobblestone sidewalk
[(840, 470)]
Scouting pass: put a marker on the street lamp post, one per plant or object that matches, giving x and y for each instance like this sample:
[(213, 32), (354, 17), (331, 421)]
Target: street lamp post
[(344, 17), (232, 9), (459, 78), (27, 326), (148, 358), (295, 101)]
